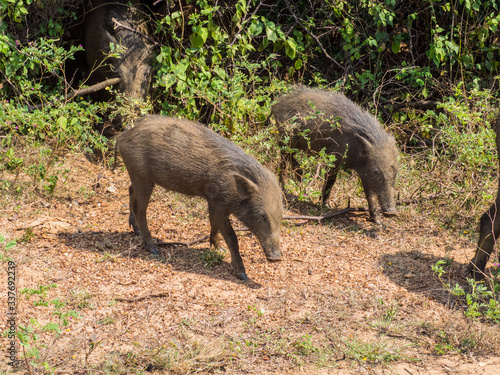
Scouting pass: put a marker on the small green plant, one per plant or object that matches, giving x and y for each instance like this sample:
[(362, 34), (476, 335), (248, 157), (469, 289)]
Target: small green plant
[(482, 299), (7, 246), (29, 334), (444, 344), (27, 236), (305, 346), (211, 258)]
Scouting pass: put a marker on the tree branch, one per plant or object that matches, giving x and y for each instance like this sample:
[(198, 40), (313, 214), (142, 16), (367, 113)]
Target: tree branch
[(88, 90), (297, 21), (135, 31)]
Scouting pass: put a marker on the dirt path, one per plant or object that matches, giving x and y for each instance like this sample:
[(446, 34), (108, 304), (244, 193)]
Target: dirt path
[(349, 297)]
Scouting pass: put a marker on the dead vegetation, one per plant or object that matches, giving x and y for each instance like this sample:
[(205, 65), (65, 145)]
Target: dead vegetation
[(348, 298)]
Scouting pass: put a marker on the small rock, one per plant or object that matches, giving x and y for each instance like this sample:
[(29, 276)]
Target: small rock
[(111, 189)]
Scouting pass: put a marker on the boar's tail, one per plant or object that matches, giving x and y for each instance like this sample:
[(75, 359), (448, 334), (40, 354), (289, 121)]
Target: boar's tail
[(116, 155)]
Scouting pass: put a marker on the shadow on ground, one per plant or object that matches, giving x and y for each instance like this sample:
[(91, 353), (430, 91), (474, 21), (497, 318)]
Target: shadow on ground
[(413, 271), (126, 244)]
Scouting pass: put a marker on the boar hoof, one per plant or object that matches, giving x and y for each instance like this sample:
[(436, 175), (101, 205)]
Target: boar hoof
[(153, 251), (274, 259), (243, 276), (473, 270)]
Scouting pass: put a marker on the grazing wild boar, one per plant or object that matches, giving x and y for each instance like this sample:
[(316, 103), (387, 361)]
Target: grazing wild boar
[(319, 119), (121, 23), (489, 229), (189, 158)]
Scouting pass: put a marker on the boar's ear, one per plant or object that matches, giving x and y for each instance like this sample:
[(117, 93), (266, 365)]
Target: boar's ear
[(246, 188), (365, 142)]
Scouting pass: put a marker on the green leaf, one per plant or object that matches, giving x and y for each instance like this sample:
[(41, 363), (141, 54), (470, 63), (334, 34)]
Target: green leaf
[(396, 46), (271, 30), (51, 327), (263, 44), (62, 122), (9, 245), (298, 64), (290, 48), (256, 28)]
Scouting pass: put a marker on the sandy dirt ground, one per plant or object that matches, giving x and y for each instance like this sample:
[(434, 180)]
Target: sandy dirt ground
[(348, 298)]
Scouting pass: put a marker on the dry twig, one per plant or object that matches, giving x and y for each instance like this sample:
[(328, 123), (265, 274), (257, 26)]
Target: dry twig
[(297, 21), (144, 296)]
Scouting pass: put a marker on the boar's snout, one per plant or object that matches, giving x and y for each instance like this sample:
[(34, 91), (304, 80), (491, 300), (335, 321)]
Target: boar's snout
[(273, 252)]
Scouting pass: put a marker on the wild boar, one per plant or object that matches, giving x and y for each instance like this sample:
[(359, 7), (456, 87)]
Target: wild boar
[(120, 23), (189, 158), (489, 229), (319, 119)]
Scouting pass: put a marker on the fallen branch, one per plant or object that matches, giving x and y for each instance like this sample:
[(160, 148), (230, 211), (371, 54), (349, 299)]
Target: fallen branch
[(88, 90), (326, 216), (144, 296), (424, 104)]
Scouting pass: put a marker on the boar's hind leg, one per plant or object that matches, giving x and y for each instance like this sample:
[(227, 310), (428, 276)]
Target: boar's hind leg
[(131, 218), (331, 177), (140, 192), (287, 158), (219, 221), (488, 233)]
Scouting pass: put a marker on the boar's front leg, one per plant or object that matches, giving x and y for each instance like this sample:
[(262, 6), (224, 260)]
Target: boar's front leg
[(488, 233), (219, 222), (373, 206), (140, 192)]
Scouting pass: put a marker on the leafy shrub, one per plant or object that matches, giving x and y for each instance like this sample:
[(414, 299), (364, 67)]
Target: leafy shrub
[(482, 299)]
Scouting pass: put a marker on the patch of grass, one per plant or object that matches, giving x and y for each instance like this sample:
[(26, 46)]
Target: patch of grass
[(80, 299), (176, 357), (444, 344), (107, 320), (212, 258), (305, 346), (373, 352), (107, 257)]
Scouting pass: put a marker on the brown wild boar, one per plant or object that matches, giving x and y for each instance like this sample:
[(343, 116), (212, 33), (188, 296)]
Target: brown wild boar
[(122, 24), (489, 229), (319, 119), (189, 158)]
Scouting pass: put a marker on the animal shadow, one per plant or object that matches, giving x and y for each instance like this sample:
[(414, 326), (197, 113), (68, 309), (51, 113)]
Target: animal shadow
[(126, 244), (413, 271)]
